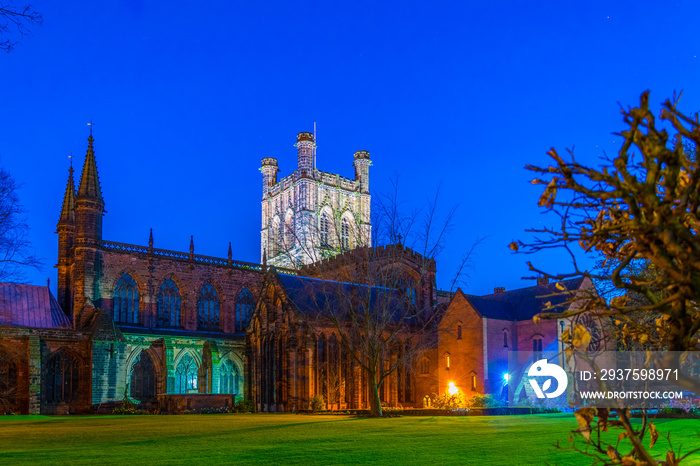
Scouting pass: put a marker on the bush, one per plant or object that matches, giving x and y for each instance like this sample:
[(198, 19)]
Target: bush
[(244, 406), (128, 407), (483, 401), (317, 403)]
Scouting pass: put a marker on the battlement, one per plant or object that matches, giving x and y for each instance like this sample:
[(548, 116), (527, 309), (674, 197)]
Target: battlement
[(361, 155), (305, 136), (269, 161)]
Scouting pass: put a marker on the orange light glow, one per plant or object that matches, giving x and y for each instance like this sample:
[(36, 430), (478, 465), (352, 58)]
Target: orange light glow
[(452, 390)]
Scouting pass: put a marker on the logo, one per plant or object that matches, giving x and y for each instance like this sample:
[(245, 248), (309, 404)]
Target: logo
[(543, 369)]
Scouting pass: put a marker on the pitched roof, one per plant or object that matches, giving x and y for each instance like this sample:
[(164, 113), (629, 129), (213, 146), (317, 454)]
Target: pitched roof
[(30, 306), (523, 303)]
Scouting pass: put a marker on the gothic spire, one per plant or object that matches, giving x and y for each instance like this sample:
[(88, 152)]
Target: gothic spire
[(89, 180), (68, 209)]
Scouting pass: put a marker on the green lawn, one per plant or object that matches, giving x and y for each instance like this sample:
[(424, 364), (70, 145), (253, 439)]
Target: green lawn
[(303, 439)]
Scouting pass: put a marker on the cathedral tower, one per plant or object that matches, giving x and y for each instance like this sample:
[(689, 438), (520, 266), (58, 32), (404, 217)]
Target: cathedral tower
[(311, 214), (89, 208)]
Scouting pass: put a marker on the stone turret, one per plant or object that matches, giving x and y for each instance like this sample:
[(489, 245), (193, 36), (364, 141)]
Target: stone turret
[(269, 171), (89, 208), (305, 152), (362, 164), (66, 241)]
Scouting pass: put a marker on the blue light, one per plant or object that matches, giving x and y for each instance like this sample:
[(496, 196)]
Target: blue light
[(506, 377)]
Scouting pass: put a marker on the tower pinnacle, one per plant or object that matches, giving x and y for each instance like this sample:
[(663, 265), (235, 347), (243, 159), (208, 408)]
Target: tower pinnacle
[(89, 179), (68, 208)]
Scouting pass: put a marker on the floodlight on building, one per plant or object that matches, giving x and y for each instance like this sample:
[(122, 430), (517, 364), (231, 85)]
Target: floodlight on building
[(452, 390), (506, 377)]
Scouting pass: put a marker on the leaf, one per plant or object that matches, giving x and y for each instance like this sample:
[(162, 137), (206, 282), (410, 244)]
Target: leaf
[(582, 338), (549, 194), (536, 319), (622, 435), (654, 435), (630, 461), (584, 416), (513, 246), (613, 454), (559, 286), (568, 352), (618, 301)]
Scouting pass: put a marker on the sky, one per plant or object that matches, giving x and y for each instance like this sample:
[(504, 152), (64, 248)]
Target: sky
[(187, 98)]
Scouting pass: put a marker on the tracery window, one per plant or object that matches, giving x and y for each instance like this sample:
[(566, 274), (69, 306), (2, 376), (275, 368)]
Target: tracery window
[(62, 376), (125, 301), (345, 234), (325, 231), (169, 305), (186, 375), (208, 308), (143, 378), (230, 378), (245, 305)]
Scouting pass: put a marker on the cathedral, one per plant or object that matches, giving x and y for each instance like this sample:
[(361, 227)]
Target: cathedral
[(177, 330)]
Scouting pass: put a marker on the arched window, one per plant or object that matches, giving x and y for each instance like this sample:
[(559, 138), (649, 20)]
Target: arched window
[(186, 375), (505, 338), (61, 381), (245, 304), (459, 331), (230, 378), (125, 303), (536, 349), (289, 231), (345, 234), (208, 308), (473, 382), (143, 378), (447, 360), (275, 238), (8, 381), (325, 231), (282, 237), (169, 305), (424, 366)]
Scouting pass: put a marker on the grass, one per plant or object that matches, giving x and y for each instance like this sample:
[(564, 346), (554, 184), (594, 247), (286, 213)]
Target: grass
[(302, 439)]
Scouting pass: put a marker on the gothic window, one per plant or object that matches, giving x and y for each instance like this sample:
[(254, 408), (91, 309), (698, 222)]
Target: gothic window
[(473, 382), (126, 301), (186, 375), (208, 309), (459, 331), (143, 378), (274, 238), (505, 338), (447, 360), (289, 231), (169, 305), (282, 237), (61, 381), (424, 366), (8, 381), (245, 305), (325, 231), (345, 234), (536, 349), (230, 378)]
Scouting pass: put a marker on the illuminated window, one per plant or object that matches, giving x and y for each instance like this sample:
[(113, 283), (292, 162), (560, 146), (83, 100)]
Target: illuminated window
[(61, 378), (245, 305), (125, 302), (459, 331), (169, 305), (345, 234), (473, 382), (447, 361), (208, 309), (229, 378), (186, 375), (325, 230)]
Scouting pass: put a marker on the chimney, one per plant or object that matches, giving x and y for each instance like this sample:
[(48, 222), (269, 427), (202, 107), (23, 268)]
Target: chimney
[(542, 281), (499, 289)]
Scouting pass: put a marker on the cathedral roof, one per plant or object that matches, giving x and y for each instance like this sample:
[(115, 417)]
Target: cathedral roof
[(30, 306), (89, 179), (523, 303), (68, 209)]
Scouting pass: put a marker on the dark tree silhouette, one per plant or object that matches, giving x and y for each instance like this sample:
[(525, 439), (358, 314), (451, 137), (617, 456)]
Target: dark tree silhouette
[(16, 20)]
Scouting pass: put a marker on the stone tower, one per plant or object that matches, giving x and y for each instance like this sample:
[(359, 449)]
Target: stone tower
[(311, 214), (66, 241), (89, 208)]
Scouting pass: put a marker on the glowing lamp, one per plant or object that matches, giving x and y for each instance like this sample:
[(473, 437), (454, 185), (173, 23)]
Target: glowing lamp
[(452, 390), (506, 377)]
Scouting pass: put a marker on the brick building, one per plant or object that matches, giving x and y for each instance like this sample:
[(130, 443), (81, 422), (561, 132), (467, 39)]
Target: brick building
[(168, 327)]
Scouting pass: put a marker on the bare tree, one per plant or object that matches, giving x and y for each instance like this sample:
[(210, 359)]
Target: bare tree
[(15, 249), (16, 19), (379, 300), (641, 208)]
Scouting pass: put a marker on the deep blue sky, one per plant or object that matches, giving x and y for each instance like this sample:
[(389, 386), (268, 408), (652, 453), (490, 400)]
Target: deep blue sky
[(187, 97)]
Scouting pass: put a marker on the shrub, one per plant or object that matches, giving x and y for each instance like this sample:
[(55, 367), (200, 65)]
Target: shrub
[(483, 401), (317, 403), (244, 406), (128, 407)]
